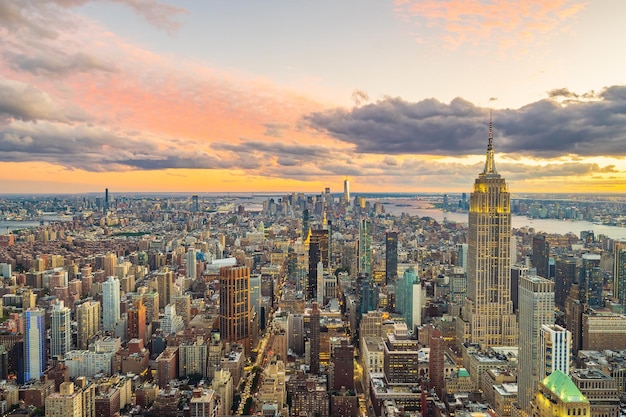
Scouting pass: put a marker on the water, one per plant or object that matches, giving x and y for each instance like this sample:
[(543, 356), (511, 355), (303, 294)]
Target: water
[(7, 226), (562, 227)]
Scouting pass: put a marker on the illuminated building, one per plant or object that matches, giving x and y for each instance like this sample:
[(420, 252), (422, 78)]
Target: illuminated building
[(488, 311), (558, 396), (235, 305)]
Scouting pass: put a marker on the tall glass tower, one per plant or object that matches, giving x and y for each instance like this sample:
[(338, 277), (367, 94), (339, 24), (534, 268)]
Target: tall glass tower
[(110, 304), (34, 343), (488, 311), (60, 330)]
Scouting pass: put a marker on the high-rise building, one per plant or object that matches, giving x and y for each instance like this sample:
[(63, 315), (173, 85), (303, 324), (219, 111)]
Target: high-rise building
[(436, 362), (88, 320), (190, 258), (592, 281), (110, 262), (541, 255), (318, 252), (35, 357), (619, 272), (365, 246), (566, 274), (235, 305), (314, 328), (136, 326), (110, 304), (195, 207), (346, 191), (60, 330), (536, 308), (555, 350), (391, 257), (488, 310), (342, 357)]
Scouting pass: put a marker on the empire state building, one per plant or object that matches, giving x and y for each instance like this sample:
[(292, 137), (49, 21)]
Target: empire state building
[(488, 317)]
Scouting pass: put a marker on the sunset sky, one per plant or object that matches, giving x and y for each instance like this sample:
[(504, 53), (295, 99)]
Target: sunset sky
[(230, 96)]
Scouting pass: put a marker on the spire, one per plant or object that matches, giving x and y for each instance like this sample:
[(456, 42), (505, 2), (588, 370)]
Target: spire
[(490, 166)]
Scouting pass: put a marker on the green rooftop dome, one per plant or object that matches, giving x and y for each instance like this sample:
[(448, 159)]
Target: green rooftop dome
[(463, 372), (563, 386)]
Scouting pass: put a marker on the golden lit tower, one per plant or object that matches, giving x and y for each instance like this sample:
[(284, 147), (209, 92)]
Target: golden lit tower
[(235, 305), (488, 313)]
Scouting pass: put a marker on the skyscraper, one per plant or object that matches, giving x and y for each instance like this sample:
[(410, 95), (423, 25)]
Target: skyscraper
[(346, 191), (488, 311), (592, 281), (391, 257), (565, 276), (110, 304), (314, 323), (318, 252), (190, 258), (136, 326), (365, 246), (60, 330), (619, 272), (235, 305), (34, 343), (541, 255), (536, 308)]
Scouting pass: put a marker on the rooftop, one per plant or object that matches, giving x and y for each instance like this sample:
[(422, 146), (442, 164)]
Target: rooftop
[(562, 385)]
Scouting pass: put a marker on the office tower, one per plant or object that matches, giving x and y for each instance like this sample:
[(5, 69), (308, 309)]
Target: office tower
[(541, 255), (365, 246), (34, 343), (110, 262), (368, 295), (314, 328), (436, 361), (318, 252), (255, 295), (195, 207), (60, 330), (574, 317), (536, 308), (65, 403), (489, 309), (391, 257), (619, 272), (346, 191), (592, 281), (410, 298), (306, 223), (462, 254), (136, 325), (191, 267), (106, 200), (559, 396), (555, 350), (110, 304), (566, 274), (88, 321), (235, 305)]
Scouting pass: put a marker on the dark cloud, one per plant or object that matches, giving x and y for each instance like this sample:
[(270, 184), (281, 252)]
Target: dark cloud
[(26, 102), (546, 128), (293, 151), (96, 149), (275, 130)]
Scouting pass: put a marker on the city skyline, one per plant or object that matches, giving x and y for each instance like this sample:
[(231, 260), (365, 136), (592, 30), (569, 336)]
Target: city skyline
[(164, 96)]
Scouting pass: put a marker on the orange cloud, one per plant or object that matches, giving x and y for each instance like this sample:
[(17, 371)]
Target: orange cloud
[(499, 22)]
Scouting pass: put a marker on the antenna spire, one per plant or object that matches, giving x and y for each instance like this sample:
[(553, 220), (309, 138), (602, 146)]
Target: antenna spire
[(490, 166)]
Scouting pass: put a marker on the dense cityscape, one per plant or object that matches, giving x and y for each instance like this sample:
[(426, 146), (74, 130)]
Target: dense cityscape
[(310, 305)]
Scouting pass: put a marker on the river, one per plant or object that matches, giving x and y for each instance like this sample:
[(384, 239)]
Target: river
[(420, 208)]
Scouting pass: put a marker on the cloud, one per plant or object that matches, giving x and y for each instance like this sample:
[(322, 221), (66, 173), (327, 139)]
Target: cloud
[(98, 149), (543, 129), (58, 63), (501, 23), (25, 102), (275, 130)]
